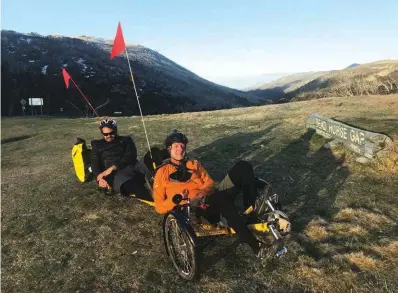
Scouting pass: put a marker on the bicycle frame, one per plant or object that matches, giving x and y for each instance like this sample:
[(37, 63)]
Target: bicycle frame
[(204, 230)]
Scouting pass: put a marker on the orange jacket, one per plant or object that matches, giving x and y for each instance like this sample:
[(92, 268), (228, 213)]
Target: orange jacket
[(164, 189)]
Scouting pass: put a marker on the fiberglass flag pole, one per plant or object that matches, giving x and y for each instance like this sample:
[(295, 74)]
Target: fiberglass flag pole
[(66, 79), (118, 47)]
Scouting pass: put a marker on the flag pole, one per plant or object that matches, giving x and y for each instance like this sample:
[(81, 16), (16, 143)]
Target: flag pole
[(139, 106), (83, 96)]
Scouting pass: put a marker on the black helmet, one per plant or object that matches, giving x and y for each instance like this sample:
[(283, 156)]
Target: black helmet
[(175, 136), (110, 123)]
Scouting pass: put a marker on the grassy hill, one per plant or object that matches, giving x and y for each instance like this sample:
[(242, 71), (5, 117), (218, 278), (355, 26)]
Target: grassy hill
[(379, 77), (291, 82), (61, 236), (374, 78)]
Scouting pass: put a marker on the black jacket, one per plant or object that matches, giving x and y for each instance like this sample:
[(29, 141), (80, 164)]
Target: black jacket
[(121, 152)]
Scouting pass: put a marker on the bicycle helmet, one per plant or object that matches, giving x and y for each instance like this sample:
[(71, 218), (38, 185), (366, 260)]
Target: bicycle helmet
[(174, 137), (108, 122)]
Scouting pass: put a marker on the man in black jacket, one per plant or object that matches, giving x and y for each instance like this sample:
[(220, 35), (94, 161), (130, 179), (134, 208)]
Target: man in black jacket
[(114, 162)]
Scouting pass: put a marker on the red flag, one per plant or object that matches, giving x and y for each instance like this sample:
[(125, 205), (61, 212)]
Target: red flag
[(66, 77), (118, 44)]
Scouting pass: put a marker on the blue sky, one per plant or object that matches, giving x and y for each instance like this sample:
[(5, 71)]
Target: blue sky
[(229, 42)]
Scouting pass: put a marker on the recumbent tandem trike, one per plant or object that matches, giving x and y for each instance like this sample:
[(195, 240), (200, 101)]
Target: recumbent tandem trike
[(182, 231)]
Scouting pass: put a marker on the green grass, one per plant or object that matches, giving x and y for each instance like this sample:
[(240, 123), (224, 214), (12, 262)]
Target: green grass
[(62, 236)]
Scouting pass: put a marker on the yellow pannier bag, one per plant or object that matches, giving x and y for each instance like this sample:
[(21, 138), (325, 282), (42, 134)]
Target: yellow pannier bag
[(81, 160)]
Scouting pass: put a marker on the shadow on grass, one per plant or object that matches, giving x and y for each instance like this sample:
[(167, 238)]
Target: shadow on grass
[(311, 179), (15, 138), (219, 156)]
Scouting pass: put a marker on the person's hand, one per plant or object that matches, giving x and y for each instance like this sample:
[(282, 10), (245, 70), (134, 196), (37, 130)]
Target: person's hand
[(107, 172), (100, 176), (102, 183)]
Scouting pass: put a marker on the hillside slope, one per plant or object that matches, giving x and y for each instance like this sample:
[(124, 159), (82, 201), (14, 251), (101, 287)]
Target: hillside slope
[(31, 67), (290, 82), (379, 77), (277, 89)]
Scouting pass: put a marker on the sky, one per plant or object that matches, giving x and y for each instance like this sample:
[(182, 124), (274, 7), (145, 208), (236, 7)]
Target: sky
[(234, 43)]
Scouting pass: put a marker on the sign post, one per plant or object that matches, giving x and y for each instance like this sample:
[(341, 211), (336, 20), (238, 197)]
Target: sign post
[(23, 102), (36, 102), (365, 143)]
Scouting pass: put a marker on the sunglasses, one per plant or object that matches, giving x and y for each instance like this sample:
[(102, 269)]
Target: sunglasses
[(109, 133)]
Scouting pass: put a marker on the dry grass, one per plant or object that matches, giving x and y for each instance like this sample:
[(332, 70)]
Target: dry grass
[(315, 230), (316, 233), (313, 278), (367, 79), (388, 162), (389, 251), (347, 230), (62, 236), (92, 217), (360, 216), (347, 222), (363, 262)]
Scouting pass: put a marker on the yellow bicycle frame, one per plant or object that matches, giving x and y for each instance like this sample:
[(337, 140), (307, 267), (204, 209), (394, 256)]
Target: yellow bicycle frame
[(203, 230)]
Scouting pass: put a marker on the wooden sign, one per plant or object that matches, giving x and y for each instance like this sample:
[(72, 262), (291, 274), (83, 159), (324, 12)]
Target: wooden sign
[(363, 142)]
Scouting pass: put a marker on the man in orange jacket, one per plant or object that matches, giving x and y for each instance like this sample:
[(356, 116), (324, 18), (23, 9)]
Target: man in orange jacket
[(180, 175)]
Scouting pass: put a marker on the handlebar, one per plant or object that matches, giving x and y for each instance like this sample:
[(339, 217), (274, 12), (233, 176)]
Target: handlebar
[(178, 198)]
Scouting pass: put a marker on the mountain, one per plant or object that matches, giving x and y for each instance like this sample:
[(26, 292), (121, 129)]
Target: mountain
[(247, 82), (32, 64), (353, 65), (277, 89), (290, 82), (379, 77)]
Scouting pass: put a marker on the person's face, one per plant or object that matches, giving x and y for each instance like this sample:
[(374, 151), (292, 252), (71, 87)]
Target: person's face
[(177, 151), (108, 133)]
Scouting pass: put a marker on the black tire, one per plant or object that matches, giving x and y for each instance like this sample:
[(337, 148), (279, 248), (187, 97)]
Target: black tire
[(180, 247)]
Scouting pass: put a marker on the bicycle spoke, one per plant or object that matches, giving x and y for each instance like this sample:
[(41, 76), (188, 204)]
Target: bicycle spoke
[(179, 247)]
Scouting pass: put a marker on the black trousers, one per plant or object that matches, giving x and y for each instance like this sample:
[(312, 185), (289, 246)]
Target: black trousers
[(137, 187), (130, 180), (239, 179)]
